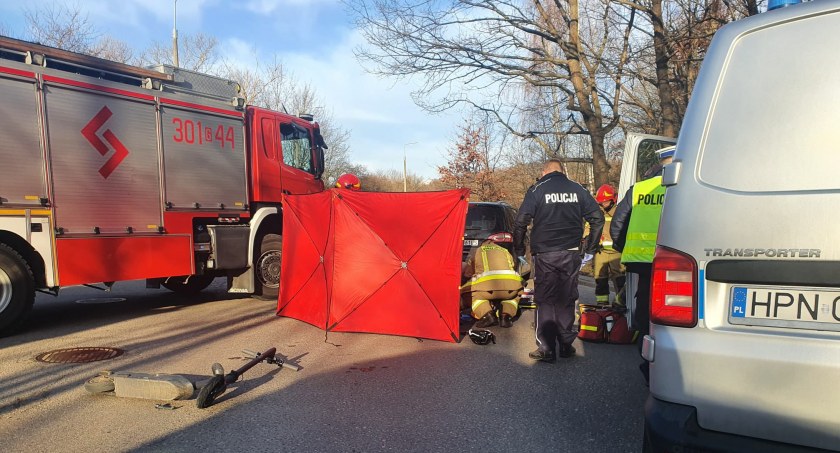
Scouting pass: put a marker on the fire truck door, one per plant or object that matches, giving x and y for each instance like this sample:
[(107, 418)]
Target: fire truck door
[(21, 157), (104, 160), (298, 166)]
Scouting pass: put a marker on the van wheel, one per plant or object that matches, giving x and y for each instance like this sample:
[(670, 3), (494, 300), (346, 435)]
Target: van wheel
[(17, 290), (188, 285), (267, 267)]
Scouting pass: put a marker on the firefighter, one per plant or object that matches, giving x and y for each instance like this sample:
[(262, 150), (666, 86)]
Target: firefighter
[(558, 207), (348, 181), (491, 279), (635, 225), (607, 262)]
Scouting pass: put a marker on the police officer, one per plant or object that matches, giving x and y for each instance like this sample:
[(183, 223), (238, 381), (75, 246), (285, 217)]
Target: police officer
[(607, 262), (634, 229), (557, 207), (491, 279)]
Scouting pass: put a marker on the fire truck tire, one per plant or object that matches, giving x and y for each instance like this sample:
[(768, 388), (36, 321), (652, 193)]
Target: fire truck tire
[(17, 290), (267, 267), (193, 285)]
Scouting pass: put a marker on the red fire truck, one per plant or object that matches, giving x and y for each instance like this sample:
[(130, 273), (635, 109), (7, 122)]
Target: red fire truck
[(110, 172)]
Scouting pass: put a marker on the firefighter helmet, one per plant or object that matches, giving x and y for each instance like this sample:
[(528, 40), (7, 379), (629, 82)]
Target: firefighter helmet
[(348, 181), (606, 193)]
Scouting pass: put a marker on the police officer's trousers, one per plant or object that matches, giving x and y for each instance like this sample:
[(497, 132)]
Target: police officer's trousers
[(555, 293)]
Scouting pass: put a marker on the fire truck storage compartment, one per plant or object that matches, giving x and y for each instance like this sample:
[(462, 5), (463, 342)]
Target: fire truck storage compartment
[(21, 156), (96, 259), (104, 160), (204, 158), (229, 245)]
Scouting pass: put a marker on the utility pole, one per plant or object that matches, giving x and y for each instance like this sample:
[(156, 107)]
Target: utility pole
[(405, 167), (175, 34)]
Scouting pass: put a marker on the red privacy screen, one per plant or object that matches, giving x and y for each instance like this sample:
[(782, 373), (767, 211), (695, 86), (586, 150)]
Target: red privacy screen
[(374, 262)]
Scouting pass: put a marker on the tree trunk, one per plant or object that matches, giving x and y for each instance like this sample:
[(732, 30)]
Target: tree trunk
[(600, 166), (670, 123)]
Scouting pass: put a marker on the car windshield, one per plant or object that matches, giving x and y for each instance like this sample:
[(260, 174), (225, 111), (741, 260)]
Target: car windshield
[(485, 218)]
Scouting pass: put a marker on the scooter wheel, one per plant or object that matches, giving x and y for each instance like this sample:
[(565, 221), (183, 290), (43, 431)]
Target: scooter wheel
[(214, 387), (100, 384)]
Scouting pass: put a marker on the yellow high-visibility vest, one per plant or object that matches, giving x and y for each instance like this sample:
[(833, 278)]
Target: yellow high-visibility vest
[(648, 196)]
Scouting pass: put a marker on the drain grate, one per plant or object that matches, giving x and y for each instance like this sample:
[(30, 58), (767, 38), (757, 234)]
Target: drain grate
[(79, 355)]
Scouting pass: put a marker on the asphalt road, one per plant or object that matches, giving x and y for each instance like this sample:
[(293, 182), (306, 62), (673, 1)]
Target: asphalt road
[(355, 392)]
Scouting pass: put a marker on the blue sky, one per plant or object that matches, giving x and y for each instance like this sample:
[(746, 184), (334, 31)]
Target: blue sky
[(314, 39)]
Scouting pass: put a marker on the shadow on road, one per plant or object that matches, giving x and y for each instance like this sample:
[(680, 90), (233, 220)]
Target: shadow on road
[(429, 401)]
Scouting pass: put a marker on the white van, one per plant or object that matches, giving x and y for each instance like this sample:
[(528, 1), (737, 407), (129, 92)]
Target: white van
[(744, 347)]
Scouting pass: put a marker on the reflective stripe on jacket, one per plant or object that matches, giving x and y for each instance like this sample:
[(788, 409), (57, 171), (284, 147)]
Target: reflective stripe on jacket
[(491, 268), (606, 239), (644, 221)]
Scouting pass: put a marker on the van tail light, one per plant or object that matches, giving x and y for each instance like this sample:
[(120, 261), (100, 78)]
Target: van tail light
[(501, 237), (673, 292)]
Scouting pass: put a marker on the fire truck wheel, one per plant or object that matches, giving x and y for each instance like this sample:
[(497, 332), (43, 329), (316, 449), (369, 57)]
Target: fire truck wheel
[(267, 267), (17, 290), (193, 285)]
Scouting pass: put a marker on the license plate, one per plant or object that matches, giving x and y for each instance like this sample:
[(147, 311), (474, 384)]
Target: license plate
[(798, 308), (471, 242)]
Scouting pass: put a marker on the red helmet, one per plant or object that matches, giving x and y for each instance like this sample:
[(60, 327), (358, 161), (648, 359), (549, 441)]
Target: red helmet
[(606, 193), (348, 181)]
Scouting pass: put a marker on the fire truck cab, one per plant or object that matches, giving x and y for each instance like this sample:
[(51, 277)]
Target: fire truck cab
[(111, 172)]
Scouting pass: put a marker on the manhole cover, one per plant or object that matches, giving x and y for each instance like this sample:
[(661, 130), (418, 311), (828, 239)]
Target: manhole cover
[(101, 300), (79, 355)]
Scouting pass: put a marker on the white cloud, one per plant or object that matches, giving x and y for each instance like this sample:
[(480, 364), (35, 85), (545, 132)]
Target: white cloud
[(269, 6)]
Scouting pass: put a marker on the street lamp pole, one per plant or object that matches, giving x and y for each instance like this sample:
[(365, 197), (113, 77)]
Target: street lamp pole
[(175, 33), (405, 167)]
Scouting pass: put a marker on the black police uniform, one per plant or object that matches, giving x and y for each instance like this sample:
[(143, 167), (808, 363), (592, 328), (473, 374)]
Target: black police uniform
[(557, 207)]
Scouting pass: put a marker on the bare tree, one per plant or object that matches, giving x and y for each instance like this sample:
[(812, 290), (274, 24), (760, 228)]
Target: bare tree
[(113, 49), (60, 25), (674, 37), (273, 87), (197, 52), (392, 181), (489, 54), (65, 26)]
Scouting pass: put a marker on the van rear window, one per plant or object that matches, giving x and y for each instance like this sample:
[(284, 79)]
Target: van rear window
[(775, 121)]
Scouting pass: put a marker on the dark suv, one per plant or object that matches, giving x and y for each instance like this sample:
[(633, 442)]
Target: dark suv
[(493, 220)]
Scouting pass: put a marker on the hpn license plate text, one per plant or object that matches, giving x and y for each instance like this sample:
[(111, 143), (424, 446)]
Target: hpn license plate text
[(786, 305)]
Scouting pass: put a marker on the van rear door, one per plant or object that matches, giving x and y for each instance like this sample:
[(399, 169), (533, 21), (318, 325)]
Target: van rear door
[(639, 157)]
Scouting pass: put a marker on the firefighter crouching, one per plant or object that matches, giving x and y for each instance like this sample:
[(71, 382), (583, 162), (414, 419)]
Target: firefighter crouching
[(607, 262), (491, 278)]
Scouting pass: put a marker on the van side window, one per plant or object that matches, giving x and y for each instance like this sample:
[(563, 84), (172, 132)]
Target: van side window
[(297, 147)]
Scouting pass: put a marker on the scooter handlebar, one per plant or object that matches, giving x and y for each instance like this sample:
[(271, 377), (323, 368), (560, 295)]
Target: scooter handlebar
[(275, 360), (291, 366)]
